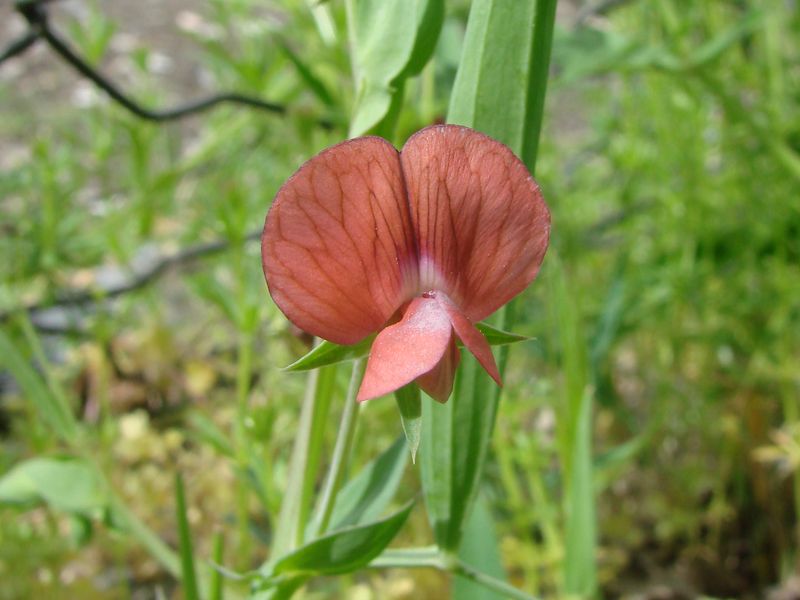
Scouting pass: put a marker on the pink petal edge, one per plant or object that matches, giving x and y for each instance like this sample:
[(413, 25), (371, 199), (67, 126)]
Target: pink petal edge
[(406, 350)]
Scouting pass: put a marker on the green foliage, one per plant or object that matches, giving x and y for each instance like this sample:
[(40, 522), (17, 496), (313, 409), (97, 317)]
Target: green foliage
[(328, 353), (191, 590), (342, 551), (367, 495), (652, 414), (409, 403), (480, 548), (391, 41), (67, 484)]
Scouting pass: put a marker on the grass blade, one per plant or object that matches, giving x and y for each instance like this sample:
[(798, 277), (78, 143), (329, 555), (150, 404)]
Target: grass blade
[(188, 572)]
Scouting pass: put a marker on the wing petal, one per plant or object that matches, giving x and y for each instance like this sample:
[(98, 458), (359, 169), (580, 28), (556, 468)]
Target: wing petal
[(408, 349)]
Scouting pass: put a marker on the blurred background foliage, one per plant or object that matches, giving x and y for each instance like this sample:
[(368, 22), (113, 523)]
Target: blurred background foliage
[(671, 161)]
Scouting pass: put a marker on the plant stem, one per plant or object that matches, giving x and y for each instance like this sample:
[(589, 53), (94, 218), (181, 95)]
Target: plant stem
[(341, 452), (244, 367), (431, 558), (462, 569), (290, 522)]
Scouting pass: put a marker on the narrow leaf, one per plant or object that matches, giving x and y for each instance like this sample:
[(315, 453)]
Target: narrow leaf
[(345, 550), (313, 82), (499, 90), (481, 550), (52, 409), (188, 573), (490, 92), (574, 436), (580, 572), (410, 405), (328, 353), (498, 337), (368, 494)]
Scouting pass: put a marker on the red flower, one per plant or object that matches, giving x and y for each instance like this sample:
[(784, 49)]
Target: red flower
[(417, 245)]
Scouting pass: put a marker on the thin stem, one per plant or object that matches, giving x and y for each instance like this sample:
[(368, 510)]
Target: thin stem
[(341, 452), (245, 360), (410, 558), (431, 558), (290, 524), (462, 569)]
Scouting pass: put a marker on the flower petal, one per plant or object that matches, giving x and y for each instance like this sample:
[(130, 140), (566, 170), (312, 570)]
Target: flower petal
[(338, 250), (408, 349), (473, 339), (438, 382), (482, 226)]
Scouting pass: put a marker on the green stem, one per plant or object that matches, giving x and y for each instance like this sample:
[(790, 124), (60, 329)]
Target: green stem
[(462, 569), (341, 452), (290, 525), (217, 582), (244, 368), (431, 558)]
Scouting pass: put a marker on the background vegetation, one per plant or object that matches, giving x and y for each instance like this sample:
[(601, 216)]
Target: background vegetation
[(670, 158)]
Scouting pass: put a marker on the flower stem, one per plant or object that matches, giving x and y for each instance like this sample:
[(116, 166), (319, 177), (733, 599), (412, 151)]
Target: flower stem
[(341, 452), (290, 521)]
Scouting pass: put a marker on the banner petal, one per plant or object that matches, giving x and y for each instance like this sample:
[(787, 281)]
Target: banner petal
[(481, 224), (338, 249)]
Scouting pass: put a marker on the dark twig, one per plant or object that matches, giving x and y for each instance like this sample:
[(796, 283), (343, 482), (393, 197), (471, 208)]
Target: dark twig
[(35, 14), (19, 46), (139, 279)]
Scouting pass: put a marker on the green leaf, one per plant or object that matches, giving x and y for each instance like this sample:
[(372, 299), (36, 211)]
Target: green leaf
[(430, 17), (313, 82), (50, 406), (481, 550), (499, 90), (366, 496), (410, 405), (345, 550), (188, 573), (580, 540), (67, 484), (574, 435), (455, 439), (392, 40), (502, 78), (327, 353), (498, 337), (490, 90)]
